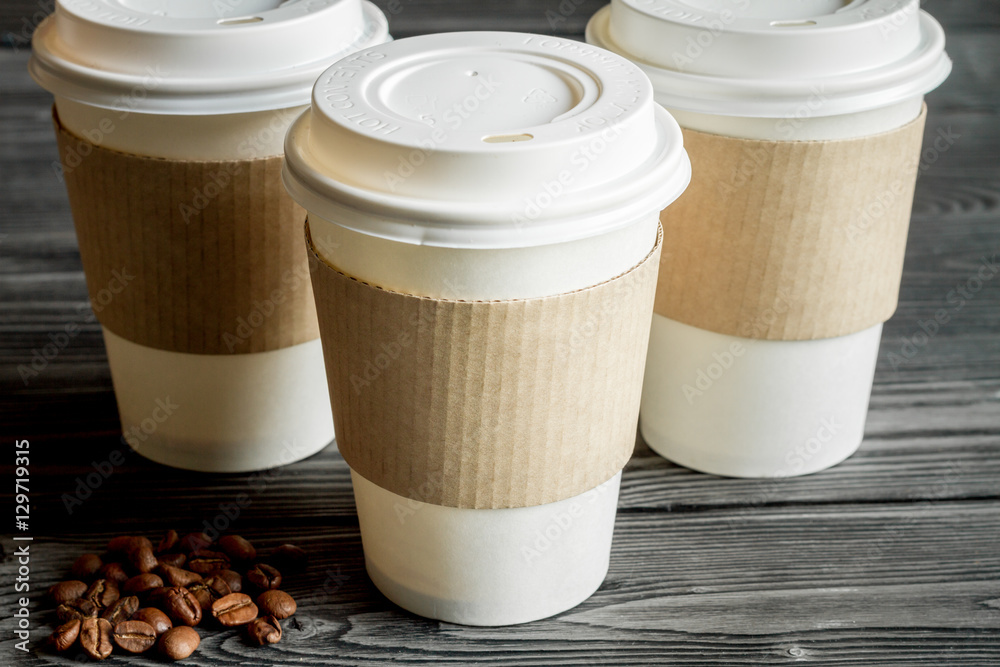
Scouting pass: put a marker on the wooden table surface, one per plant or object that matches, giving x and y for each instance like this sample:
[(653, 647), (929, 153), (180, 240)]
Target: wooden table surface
[(892, 557)]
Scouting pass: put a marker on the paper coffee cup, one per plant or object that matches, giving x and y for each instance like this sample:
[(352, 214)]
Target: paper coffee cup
[(209, 94), (485, 209), (782, 388)]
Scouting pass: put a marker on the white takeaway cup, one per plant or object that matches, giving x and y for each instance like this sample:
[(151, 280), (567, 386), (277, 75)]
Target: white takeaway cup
[(196, 80), (415, 171), (781, 71)]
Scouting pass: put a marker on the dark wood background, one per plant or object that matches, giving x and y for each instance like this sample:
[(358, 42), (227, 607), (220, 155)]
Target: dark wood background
[(891, 558)]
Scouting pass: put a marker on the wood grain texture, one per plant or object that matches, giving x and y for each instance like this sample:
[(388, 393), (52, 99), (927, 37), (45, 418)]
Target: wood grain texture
[(891, 558)]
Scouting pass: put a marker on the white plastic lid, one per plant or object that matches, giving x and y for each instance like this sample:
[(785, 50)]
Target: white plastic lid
[(196, 57), (764, 58), (484, 140)]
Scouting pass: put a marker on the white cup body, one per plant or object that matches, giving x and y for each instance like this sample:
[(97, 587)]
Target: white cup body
[(485, 566), (743, 407), (225, 413)]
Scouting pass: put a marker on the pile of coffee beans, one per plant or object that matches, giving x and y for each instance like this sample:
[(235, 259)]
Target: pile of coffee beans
[(138, 596)]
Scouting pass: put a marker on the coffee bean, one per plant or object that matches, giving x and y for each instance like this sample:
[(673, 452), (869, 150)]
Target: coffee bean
[(179, 643), (66, 635), (121, 610), (127, 543), (86, 566), (141, 583), (134, 636), (119, 544), (176, 559), (156, 618), (95, 638), (66, 591), (232, 578), (276, 603), (265, 630), (113, 572), (237, 548), (78, 609), (142, 558), (264, 577), (210, 590), (234, 609), (102, 593), (195, 542), (289, 558), (175, 576), (181, 606), (206, 561), (169, 542)]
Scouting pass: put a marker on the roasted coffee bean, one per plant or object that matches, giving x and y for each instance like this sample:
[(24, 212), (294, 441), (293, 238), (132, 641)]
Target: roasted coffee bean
[(156, 618), (276, 603), (78, 609), (232, 578), (66, 635), (103, 593), (142, 559), (65, 591), (210, 590), (237, 548), (95, 638), (264, 577), (234, 609), (181, 606), (265, 630), (169, 542), (119, 544), (121, 610), (134, 636), (113, 572), (195, 542), (141, 583), (86, 566), (289, 558), (175, 576), (206, 561), (179, 643), (174, 559), (127, 543)]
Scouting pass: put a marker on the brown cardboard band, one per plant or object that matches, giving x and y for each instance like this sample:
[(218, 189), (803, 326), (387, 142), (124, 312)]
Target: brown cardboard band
[(190, 256), (789, 240), (486, 404)]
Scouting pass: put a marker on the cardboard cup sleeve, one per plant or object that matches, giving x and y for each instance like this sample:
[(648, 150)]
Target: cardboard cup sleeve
[(189, 256), (789, 240), (486, 404)]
